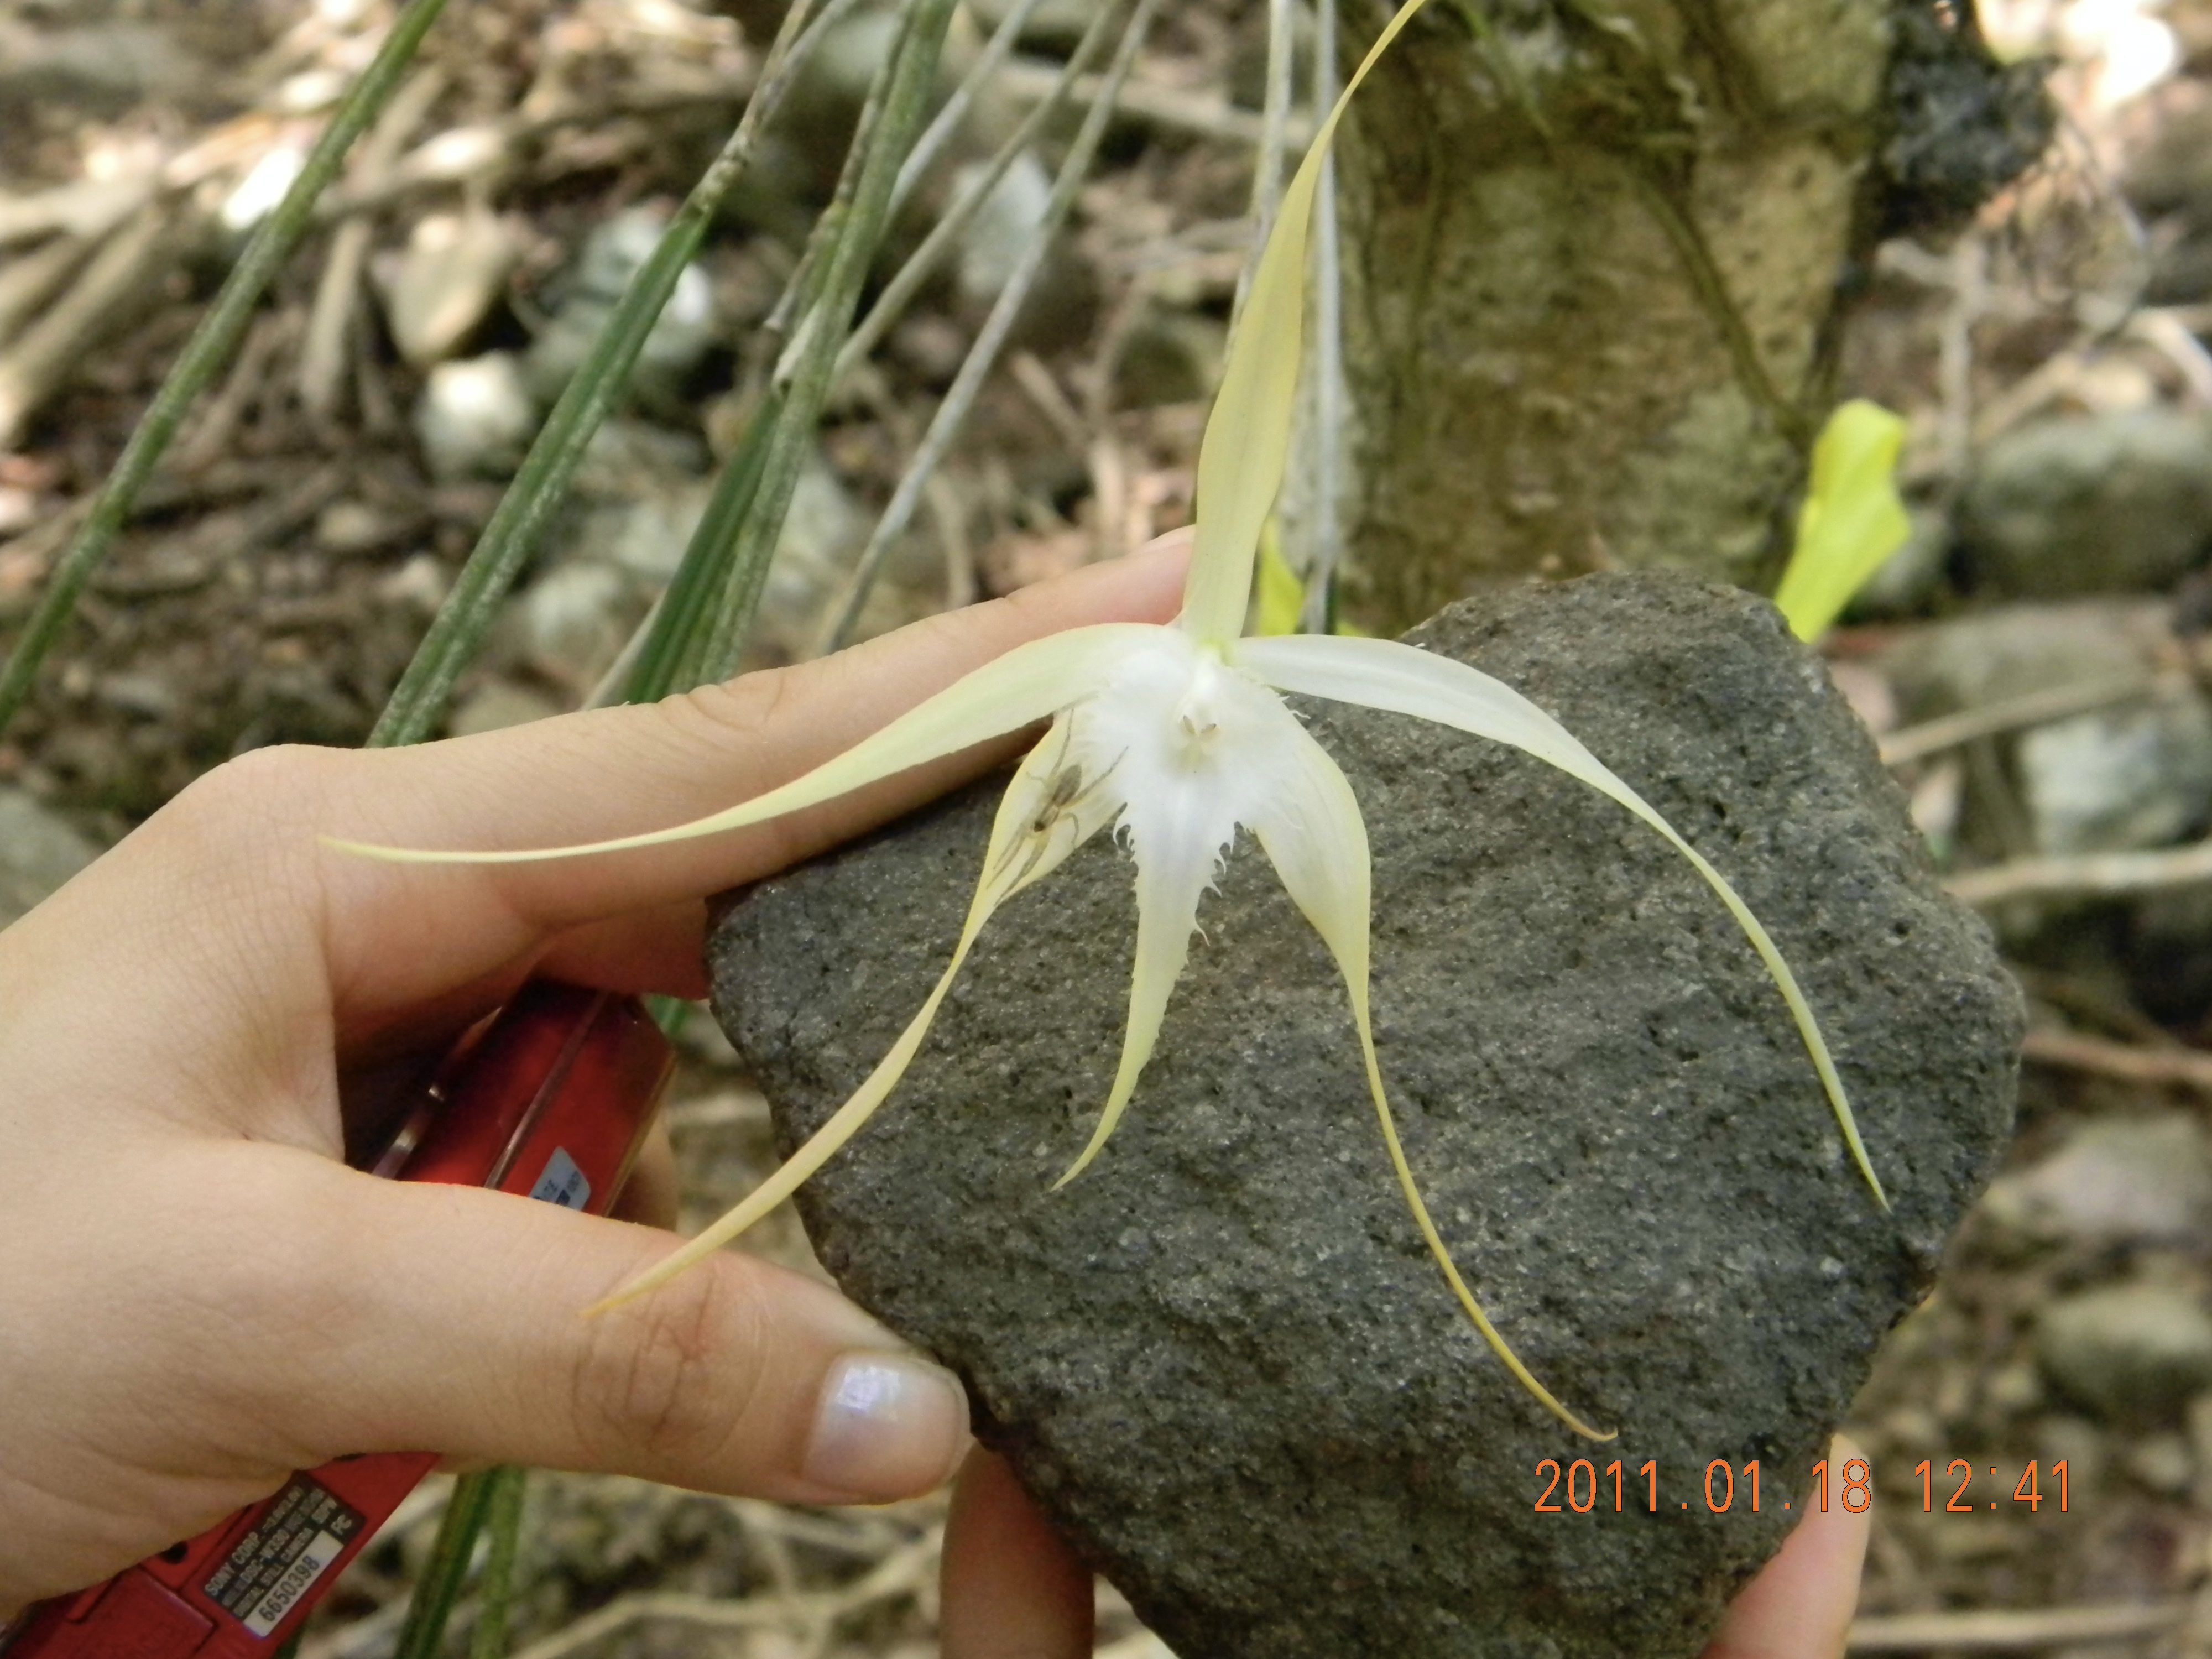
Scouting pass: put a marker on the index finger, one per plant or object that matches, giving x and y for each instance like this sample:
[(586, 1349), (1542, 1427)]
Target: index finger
[(241, 849)]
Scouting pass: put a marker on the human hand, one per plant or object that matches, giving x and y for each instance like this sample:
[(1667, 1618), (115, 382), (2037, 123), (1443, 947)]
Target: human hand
[(1011, 1585), (196, 1298)]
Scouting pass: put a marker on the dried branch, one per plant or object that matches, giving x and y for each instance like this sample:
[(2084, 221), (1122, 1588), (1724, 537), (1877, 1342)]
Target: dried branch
[(323, 356), (2186, 1068), (2035, 709), (2090, 875), (120, 276), (1207, 116), (2001, 1632)]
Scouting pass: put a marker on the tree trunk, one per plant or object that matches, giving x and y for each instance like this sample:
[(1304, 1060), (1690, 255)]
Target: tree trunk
[(1593, 255)]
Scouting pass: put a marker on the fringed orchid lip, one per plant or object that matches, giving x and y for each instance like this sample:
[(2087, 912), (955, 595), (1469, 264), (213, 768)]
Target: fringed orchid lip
[(1178, 737)]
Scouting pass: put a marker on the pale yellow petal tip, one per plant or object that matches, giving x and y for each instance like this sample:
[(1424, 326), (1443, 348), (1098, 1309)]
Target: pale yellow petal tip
[(1081, 1163), (645, 1282)]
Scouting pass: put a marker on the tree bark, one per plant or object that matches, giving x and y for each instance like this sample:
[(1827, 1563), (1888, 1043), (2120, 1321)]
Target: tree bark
[(1593, 252)]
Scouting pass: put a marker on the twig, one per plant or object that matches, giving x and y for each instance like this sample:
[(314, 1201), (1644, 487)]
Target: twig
[(898, 1573), (2164, 332), (899, 292), (2090, 875), (1955, 355), (2035, 709), (1038, 385), (948, 510), (1208, 117), (480, 153), (984, 352), (323, 355), (87, 209), (27, 281), (1998, 1632), (42, 357), (216, 424), (2187, 1068)]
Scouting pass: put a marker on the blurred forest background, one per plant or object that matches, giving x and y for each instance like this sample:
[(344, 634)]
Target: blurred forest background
[(2033, 661)]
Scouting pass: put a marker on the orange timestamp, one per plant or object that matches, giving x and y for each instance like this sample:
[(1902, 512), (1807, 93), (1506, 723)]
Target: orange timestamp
[(1581, 1487)]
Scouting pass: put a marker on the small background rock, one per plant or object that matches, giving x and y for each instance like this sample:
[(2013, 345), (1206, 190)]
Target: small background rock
[(2093, 504)]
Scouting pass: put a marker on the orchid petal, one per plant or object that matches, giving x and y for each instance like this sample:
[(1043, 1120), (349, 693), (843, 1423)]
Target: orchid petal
[(1248, 436), (1179, 735), (1027, 683), (1312, 831), (1387, 675), (1026, 845), (1176, 858)]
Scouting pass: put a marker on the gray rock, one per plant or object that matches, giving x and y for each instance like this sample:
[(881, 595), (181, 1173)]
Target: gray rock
[(2120, 779), (1910, 578), (39, 850), (2131, 774), (2127, 1351), (476, 417), (588, 294), (498, 704), (575, 619), (2088, 504), (2164, 1463), (997, 240), (443, 286), (1222, 1358), (2123, 1181)]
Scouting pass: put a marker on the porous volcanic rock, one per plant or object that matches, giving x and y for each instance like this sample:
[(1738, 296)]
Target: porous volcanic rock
[(1221, 1358)]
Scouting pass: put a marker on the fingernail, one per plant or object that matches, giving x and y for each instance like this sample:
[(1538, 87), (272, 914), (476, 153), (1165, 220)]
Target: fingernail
[(888, 1426)]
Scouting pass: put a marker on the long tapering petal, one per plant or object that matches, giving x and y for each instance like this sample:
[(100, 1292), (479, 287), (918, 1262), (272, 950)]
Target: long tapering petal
[(1248, 436), (1312, 831), (1026, 684), (1388, 675), (1034, 830), (1176, 861)]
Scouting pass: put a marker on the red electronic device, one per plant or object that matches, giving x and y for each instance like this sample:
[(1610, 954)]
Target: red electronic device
[(549, 1099)]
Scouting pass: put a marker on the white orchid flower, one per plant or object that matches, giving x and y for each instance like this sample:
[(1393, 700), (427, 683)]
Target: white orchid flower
[(1177, 736)]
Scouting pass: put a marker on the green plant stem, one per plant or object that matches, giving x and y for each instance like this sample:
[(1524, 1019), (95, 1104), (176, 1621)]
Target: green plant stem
[(674, 638), (210, 346), (944, 424), (496, 1590), (912, 70), (541, 483), (675, 648), (423, 1635)]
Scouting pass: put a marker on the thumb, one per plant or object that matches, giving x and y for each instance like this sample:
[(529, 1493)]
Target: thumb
[(463, 1334)]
